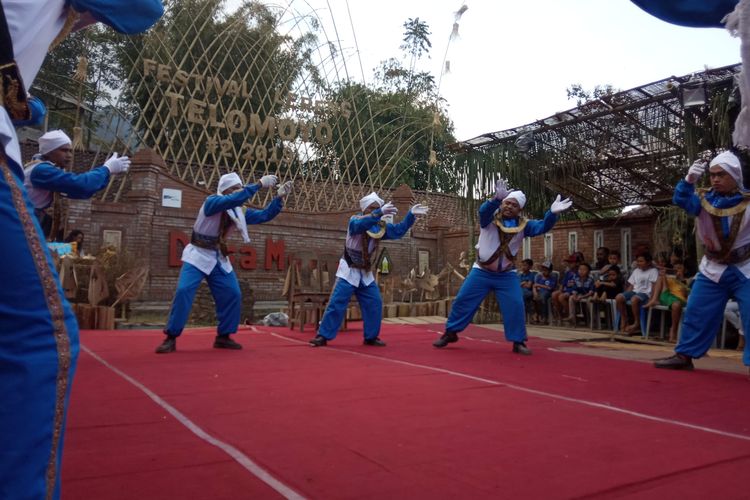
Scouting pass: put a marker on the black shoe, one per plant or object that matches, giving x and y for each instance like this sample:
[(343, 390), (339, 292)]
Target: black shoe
[(676, 362), (520, 348), (376, 342), (169, 345), (225, 342), (445, 339), (318, 341)]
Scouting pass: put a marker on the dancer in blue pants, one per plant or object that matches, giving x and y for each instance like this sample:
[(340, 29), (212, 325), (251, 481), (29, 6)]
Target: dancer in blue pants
[(38, 331), (206, 257), (723, 225), (354, 275), (501, 235)]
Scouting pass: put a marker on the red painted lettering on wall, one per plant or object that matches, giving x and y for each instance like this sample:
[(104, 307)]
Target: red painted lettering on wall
[(246, 255), (274, 252), (175, 250), (249, 258)]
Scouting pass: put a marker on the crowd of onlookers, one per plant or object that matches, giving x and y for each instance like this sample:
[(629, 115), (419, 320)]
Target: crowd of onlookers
[(561, 297)]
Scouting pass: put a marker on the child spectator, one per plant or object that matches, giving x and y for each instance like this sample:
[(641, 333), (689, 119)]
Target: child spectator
[(609, 284), (583, 288), (560, 297), (671, 290), (612, 260), (526, 275), (663, 261), (544, 284), (638, 291)]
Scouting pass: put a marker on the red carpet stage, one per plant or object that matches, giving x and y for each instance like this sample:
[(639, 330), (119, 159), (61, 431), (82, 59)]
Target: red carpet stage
[(282, 419)]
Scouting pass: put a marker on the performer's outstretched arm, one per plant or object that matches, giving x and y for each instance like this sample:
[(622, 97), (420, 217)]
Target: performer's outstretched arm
[(78, 186), (536, 227), (255, 216), (361, 223), (396, 231), (684, 194), (685, 197), (487, 211), (218, 203), (488, 208)]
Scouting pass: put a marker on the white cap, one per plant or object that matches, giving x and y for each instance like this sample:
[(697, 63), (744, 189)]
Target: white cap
[(53, 140), (518, 196), (228, 180), (731, 165), (369, 200)]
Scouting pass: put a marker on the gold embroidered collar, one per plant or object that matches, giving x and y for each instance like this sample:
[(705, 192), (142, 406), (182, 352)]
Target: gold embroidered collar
[(510, 230), (723, 212), (377, 231)]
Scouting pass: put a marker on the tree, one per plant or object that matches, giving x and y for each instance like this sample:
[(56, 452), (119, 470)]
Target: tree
[(400, 124), (78, 76), (581, 95), (200, 81)]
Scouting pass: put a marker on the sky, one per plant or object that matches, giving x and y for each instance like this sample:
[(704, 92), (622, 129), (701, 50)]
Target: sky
[(514, 60)]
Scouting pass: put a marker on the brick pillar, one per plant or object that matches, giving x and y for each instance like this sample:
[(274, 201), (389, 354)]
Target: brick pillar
[(145, 168), (439, 225), (403, 198)]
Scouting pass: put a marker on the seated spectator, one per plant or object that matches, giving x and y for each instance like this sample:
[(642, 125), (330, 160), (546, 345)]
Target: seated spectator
[(612, 260), (671, 290), (602, 258), (638, 291), (526, 275), (583, 288), (609, 284), (732, 315), (544, 284), (676, 256), (579, 257), (567, 284), (662, 260), (75, 237)]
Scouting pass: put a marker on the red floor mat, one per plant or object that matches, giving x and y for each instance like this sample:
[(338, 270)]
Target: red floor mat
[(406, 421)]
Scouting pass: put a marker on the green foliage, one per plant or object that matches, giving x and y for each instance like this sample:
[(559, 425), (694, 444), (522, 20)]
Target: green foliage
[(581, 95), (397, 130), (709, 128), (416, 40), (398, 123), (244, 46), (70, 101)]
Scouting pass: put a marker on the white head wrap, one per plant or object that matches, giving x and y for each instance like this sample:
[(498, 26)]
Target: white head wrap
[(228, 180), (369, 200), (236, 214), (731, 164), (518, 196), (53, 140)]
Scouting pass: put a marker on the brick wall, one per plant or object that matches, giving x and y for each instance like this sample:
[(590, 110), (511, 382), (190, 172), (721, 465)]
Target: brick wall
[(640, 224), (146, 227)]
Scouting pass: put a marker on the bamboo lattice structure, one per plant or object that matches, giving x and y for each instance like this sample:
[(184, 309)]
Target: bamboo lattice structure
[(269, 92)]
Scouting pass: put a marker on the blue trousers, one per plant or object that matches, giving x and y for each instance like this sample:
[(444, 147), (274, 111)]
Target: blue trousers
[(225, 290), (507, 288), (38, 351), (370, 303), (704, 312)]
